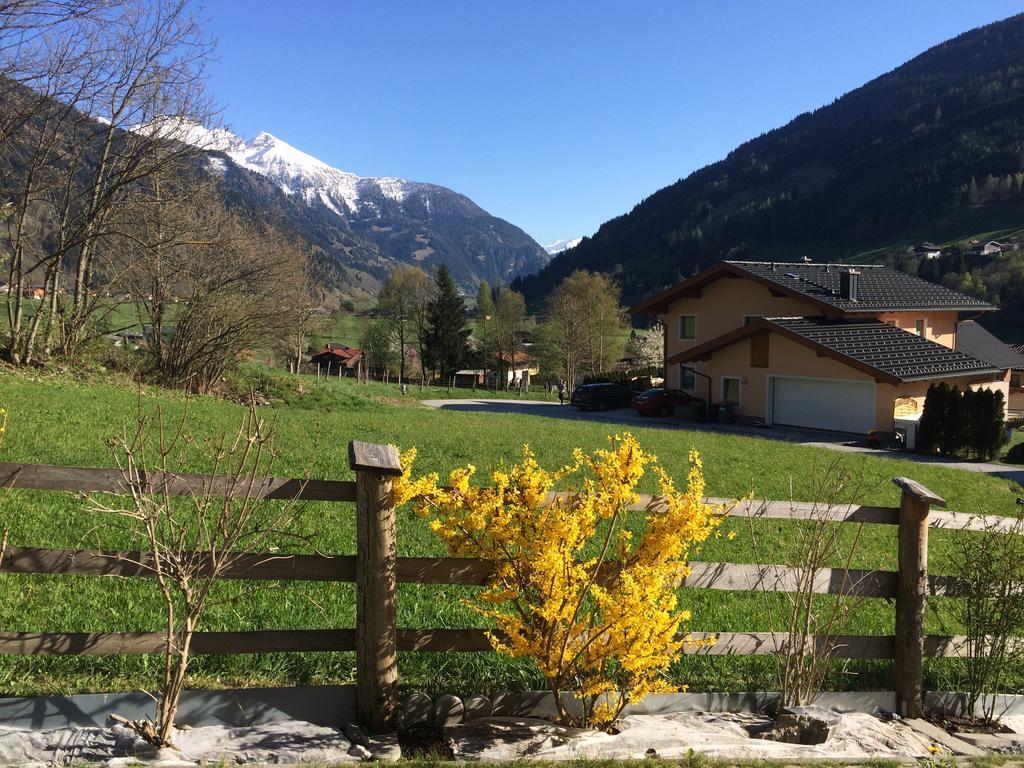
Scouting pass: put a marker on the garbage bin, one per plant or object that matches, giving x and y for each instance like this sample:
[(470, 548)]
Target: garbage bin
[(727, 414), (698, 412), (713, 409)]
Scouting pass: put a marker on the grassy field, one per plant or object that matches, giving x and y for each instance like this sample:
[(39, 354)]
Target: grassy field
[(67, 422)]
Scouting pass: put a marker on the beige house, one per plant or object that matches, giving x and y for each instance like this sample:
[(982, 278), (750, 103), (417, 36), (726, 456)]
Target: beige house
[(977, 342), (824, 346)]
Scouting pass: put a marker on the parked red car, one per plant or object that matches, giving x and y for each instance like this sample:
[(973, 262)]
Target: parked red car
[(661, 402)]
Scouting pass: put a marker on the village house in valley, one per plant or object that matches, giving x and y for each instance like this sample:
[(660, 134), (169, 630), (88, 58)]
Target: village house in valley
[(337, 357), (821, 346)]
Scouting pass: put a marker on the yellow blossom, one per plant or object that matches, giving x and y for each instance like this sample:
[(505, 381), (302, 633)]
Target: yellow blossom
[(605, 626)]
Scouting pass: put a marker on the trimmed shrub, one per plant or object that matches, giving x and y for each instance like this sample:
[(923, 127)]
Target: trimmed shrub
[(1016, 454), (955, 423)]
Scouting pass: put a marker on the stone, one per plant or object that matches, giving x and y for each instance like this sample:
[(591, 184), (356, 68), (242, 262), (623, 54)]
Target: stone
[(356, 734), (800, 725), (1004, 743), (476, 706), (940, 737), (358, 750), (384, 747), (417, 708), (448, 711)]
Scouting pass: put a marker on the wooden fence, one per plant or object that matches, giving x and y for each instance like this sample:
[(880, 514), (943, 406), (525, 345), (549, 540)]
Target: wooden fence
[(376, 570)]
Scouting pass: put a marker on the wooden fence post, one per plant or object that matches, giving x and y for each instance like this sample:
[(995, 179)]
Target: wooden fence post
[(911, 592), (376, 661)]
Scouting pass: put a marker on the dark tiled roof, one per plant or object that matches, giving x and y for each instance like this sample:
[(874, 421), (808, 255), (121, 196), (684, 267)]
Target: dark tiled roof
[(973, 340), (885, 348), (880, 289)]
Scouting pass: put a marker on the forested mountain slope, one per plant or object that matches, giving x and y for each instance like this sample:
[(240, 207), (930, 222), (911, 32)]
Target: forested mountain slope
[(933, 150)]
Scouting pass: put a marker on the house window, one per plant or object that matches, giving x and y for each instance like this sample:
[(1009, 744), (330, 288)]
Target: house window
[(687, 327), (1017, 379), (687, 379), (919, 327), (730, 390)]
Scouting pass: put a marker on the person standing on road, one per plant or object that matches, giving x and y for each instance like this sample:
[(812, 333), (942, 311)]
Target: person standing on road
[(561, 393)]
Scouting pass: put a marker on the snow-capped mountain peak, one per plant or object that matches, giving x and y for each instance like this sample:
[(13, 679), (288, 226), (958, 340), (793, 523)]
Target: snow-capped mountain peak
[(561, 245), (367, 224), (291, 169)]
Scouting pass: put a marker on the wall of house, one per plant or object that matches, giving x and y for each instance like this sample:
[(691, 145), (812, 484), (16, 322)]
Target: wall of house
[(940, 327), (786, 358), (1016, 400), (721, 308), (789, 358)]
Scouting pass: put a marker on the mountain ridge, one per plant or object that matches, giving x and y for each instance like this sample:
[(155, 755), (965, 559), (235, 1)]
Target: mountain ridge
[(366, 225)]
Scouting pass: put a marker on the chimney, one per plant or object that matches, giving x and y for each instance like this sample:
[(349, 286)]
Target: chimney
[(849, 282)]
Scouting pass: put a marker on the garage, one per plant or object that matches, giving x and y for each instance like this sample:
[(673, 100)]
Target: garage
[(836, 404)]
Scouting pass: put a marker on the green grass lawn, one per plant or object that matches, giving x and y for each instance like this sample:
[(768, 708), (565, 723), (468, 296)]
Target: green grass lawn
[(62, 421)]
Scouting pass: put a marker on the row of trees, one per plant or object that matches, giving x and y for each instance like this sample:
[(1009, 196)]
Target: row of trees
[(969, 422), (109, 194), (583, 333)]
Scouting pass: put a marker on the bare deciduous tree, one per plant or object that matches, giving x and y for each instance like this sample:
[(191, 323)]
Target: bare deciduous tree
[(399, 302), (105, 115), (299, 304), (990, 606), (813, 622), (506, 327), (232, 301), (192, 541)]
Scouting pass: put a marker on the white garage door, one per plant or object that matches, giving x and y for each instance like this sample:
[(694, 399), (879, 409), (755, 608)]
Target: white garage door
[(843, 406)]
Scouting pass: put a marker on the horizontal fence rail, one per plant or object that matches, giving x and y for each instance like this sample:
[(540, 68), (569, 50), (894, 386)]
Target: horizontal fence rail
[(433, 640), (732, 577), (49, 477), (375, 571)]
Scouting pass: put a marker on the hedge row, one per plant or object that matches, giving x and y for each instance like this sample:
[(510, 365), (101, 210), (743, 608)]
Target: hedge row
[(956, 423)]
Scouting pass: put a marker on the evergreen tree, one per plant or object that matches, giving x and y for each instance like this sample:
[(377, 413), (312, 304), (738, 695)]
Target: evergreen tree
[(973, 421), (446, 338), (929, 429), (988, 427), (954, 423)]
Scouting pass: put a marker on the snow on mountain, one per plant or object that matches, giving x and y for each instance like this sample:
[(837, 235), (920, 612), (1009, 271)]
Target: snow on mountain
[(296, 172), (561, 245), (390, 220)]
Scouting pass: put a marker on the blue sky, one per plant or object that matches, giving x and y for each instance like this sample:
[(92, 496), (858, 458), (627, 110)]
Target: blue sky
[(554, 115)]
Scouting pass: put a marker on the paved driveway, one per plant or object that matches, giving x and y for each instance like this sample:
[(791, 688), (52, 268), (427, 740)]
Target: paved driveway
[(834, 441)]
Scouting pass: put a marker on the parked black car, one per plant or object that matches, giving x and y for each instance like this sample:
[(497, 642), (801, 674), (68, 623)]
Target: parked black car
[(600, 397)]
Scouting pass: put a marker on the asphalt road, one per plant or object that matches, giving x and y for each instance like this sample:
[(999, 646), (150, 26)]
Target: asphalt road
[(833, 441)]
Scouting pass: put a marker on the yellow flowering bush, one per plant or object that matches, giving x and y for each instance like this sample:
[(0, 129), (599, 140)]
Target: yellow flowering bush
[(574, 589)]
